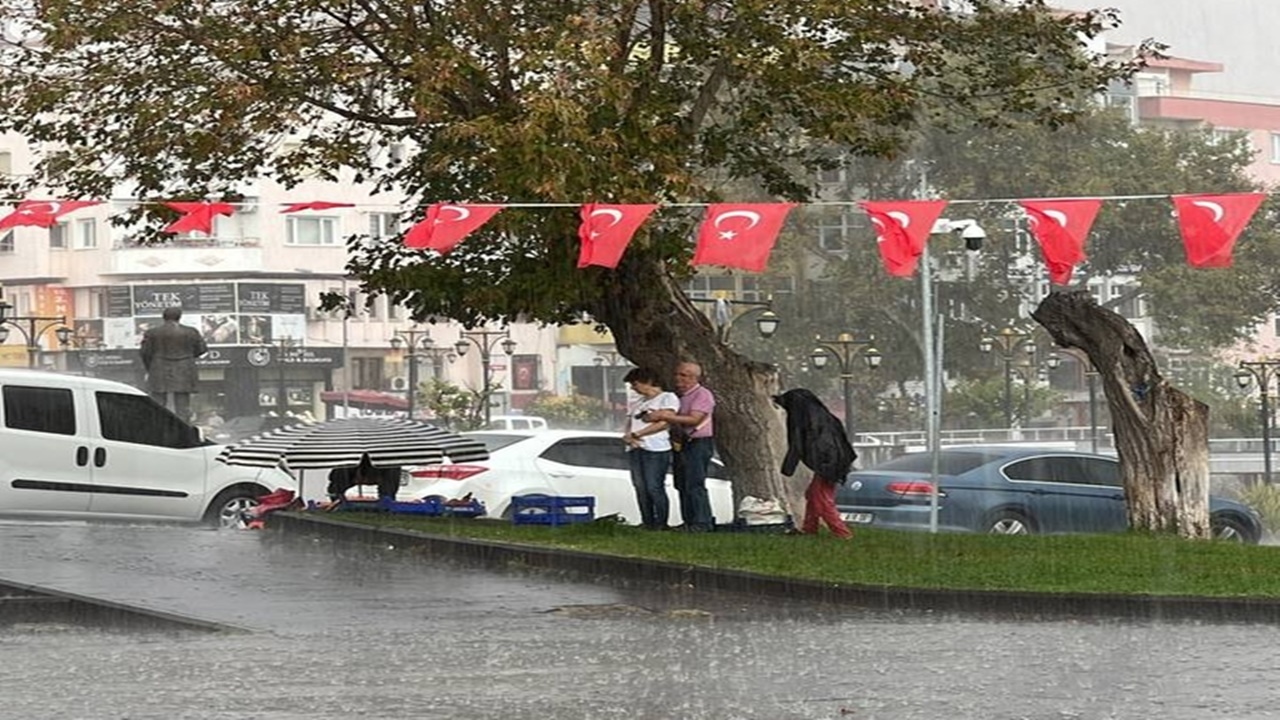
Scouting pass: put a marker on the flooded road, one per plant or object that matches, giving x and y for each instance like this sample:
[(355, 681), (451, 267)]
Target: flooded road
[(336, 632)]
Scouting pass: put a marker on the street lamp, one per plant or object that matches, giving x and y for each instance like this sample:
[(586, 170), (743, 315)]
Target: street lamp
[(1263, 371), (1029, 373), (844, 349), (33, 330), (767, 321), (1091, 380), (606, 359), (67, 338), (486, 341), (282, 398), (417, 342), (1007, 342)]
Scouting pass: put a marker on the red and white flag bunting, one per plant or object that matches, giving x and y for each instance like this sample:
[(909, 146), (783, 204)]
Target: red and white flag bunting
[(1210, 225), (41, 213), (606, 230), (902, 228), (314, 205), (740, 235), (1061, 227), (197, 216), (448, 224)]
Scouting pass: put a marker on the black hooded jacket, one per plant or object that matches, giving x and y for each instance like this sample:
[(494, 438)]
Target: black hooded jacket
[(814, 437)]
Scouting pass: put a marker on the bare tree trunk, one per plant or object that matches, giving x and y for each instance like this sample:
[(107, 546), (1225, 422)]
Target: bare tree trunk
[(655, 325), (1161, 433)]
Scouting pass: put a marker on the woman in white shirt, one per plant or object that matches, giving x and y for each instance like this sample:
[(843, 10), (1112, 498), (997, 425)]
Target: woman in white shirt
[(649, 444)]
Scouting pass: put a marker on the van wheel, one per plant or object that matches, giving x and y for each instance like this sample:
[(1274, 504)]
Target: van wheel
[(228, 509)]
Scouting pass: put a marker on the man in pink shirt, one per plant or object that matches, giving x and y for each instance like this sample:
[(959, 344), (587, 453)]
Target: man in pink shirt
[(693, 440)]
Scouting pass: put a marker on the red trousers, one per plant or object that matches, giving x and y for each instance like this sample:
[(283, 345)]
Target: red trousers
[(820, 504)]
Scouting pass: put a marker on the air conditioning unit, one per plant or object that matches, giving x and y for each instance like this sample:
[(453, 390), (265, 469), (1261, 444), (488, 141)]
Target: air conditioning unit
[(399, 383)]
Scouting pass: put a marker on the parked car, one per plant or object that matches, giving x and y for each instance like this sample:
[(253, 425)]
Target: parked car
[(556, 462), (73, 446), (516, 422), (1011, 490)]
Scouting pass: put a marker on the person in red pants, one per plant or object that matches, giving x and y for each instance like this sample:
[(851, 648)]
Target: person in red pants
[(816, 438)]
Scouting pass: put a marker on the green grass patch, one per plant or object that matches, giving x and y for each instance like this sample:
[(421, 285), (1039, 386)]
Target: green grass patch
[(1130, 563)]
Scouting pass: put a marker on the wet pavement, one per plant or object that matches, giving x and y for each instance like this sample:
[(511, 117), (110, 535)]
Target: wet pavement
[(336, 631)]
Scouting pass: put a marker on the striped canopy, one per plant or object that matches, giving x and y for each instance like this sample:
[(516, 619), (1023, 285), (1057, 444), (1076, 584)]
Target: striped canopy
[(390, 442)]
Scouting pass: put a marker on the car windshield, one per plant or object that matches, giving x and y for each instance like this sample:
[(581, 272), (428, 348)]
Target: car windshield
[(950, 462)]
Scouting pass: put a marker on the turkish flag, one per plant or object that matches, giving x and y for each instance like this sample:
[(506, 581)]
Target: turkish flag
[(197, 216), (447, 224), (741, 236), (41, 213), (1061, 227), (316, 205), (1210, 225), (606, 230), (902, 228)]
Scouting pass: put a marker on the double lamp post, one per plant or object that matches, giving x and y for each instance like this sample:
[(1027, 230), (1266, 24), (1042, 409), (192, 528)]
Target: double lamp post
[(32, 327), (1006, 344), (1263, 371), (845, 349), (486, 341)]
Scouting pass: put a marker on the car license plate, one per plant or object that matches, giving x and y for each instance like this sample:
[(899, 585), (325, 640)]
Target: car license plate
[(860, 518)]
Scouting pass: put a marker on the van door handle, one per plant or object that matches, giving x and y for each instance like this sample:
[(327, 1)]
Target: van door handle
[(99, 457), (82, 456)]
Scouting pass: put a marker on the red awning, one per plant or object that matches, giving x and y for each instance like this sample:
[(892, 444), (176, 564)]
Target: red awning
[(365, 398)]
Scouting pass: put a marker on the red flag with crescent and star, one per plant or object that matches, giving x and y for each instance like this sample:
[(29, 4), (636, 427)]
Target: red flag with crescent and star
[(606, 230), (41, 213), (314, 205), (448, 224), (197, 216), (740, 235), (1210, 225), (902, 228), (1061, 227)]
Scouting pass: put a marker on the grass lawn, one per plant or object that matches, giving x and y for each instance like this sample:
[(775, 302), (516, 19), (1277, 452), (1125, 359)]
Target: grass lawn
[(1124, 563)]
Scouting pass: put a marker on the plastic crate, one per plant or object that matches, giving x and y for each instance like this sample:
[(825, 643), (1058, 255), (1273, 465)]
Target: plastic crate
[(552, 509), (471, 509), (427, 506)]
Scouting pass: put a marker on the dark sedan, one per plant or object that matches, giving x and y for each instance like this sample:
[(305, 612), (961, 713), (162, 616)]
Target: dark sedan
[(1011, 491)]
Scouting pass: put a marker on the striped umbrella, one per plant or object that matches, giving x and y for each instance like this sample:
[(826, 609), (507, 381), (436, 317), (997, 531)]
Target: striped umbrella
[(390, 442)]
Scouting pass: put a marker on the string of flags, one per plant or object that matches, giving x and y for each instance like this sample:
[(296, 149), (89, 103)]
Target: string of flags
[(742, 235)]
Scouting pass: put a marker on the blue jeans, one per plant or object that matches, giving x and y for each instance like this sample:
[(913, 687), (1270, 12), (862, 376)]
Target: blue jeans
[(649, 477), (690, 470)]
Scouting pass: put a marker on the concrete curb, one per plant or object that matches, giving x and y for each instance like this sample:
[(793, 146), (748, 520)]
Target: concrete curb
[(1018, 604)]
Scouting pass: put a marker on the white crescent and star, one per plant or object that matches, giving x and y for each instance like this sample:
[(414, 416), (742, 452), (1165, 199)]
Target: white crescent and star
[(1057, 216), (753, 219), (462, 214), (608, 212), (903, 219), (1212, 207)]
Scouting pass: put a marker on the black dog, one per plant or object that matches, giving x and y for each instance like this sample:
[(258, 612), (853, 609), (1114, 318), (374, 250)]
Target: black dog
[(344, 478)]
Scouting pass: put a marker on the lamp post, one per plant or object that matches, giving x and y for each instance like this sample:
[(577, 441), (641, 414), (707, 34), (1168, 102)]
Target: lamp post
[(36, 326), (844, 348), (485, 341), (606, 359), (282, 392), (1006, 343), (1263, 371), (416, 342), (1091, 381), (722, 315), (1029, 373), (67, 338)]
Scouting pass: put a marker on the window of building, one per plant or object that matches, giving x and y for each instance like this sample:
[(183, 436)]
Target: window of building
[(86, 234), (367, 373), (6, 163), (58, 234), (47, 410), (383, 224), (317, 230), (6, 242), (1275, 147)]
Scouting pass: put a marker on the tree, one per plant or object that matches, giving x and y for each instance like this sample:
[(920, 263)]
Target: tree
[(1161, 433), (566, 102)]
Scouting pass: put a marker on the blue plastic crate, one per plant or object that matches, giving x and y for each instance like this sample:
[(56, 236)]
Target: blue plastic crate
[(427, 506), (538, 509)]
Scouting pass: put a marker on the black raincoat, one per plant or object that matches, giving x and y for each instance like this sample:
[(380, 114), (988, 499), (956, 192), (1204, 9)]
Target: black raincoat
[(814, 437)]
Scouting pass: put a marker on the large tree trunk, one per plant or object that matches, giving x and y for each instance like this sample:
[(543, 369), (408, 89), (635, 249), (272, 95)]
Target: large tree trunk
[(655, 325), (1161, 434)]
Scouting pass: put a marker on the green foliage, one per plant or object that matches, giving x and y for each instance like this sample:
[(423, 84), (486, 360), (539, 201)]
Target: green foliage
[(529, 102), (572, 411), (1266, 500), (451, 405)]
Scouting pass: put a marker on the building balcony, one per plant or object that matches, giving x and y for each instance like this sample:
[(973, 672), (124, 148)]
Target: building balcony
[(189, 256)]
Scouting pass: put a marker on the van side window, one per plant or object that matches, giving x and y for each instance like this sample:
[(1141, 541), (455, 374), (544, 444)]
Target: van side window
[(138, 419), (42, 409)]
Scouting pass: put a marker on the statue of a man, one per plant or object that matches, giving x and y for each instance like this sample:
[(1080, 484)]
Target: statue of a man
[(169, 355)]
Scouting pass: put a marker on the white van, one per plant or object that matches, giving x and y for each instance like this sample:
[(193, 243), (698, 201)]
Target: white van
[(74, 446), (516, 422)]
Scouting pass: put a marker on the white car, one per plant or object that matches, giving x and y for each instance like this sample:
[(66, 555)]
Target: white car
[(82, 447), (556, 462)]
